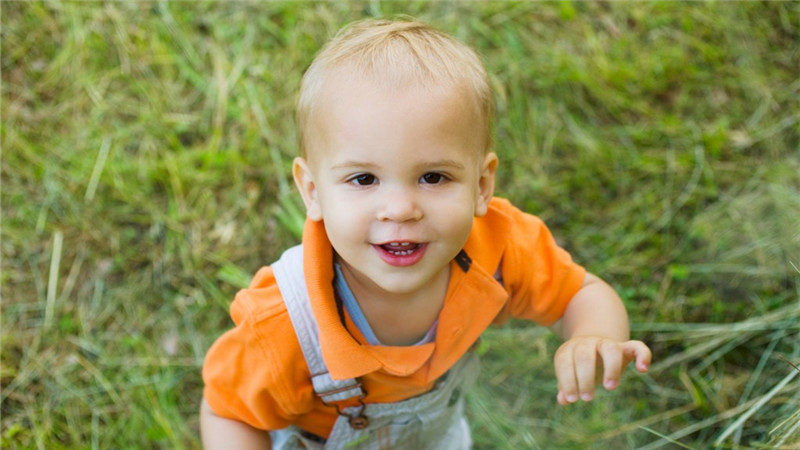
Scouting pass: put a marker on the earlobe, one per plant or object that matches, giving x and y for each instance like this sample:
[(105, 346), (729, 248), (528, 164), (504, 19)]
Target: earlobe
[(486, 184), (304, 180)]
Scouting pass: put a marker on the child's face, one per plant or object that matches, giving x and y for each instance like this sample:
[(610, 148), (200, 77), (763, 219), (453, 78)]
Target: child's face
[(397, 176)]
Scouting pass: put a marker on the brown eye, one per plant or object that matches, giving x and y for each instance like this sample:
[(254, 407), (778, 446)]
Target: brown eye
[(432, 178), (364, 179)]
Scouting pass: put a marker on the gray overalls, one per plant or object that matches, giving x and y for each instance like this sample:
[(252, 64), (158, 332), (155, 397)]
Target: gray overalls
[(434, 420)]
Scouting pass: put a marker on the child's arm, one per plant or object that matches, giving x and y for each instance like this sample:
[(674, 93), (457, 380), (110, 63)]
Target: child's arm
[(221, 433), (595, 328)]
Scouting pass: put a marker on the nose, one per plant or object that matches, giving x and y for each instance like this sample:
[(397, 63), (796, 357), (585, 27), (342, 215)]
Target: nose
[(399, 204)]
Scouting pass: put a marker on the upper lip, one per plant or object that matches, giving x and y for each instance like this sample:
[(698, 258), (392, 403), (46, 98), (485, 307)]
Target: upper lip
[(399, 242)]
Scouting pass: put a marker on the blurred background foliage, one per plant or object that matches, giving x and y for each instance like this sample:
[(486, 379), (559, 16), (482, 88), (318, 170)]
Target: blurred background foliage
[(146, 149)]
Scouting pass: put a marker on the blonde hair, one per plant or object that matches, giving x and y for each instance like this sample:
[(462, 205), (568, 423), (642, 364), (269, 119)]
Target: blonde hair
[(393, 52)]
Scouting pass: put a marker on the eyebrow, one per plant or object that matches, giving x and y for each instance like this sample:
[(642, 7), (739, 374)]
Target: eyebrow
[(448, 163), (352, 164)]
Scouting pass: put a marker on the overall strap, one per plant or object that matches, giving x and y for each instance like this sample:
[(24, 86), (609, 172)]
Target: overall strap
[(288, 271)]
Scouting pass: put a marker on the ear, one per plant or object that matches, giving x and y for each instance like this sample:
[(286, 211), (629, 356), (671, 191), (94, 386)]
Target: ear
[(486, 184), (304, 180)]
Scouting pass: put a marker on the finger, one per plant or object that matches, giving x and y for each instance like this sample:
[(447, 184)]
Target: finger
[(585, 360), (562, 399), (637, 351), (611, 355), (565, 374)]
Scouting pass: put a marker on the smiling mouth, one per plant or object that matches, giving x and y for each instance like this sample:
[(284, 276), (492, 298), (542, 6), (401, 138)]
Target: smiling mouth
[(401, 254), (400, 248)]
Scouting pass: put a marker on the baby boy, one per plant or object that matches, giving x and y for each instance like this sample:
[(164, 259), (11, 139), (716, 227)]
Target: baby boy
[(362, 336)]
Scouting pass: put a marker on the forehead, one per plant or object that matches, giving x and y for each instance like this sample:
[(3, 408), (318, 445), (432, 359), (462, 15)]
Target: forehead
[(350, 104), (345, 80)]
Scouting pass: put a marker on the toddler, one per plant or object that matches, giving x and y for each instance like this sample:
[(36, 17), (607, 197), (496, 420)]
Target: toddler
[(362, 336)]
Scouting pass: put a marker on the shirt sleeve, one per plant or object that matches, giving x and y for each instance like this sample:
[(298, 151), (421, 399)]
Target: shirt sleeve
[(540, 276), (245, 370)]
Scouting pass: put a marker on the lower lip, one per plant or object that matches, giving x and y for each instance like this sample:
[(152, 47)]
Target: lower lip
[(396, 260)]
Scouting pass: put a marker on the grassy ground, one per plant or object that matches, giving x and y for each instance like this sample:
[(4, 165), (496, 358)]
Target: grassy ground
[(146, 148)]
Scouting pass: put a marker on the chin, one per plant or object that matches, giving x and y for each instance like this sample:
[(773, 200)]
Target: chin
[(401, 286)]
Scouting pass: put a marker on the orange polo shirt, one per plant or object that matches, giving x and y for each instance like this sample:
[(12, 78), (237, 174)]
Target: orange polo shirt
[(256, 373)]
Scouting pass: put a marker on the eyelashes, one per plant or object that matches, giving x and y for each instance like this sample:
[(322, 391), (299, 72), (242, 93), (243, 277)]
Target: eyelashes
[(432, 178), (364, 179), (368, 179)]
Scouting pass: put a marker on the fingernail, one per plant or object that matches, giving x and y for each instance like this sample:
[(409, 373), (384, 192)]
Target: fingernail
[(586, 397), (572, 398), (610, 384)]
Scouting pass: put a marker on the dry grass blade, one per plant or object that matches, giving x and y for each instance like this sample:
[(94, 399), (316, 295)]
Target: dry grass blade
[(52, 281), (739, 422)]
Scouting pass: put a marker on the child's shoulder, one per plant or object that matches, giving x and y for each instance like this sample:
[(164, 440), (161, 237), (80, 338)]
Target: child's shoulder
[(503, 217), (258, 362), (261, 301), (504, 207), (500, 202), (260, 314), (507, 232)]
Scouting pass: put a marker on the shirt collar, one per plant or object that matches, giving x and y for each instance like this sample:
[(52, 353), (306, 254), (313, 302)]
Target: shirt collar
[(474, 298)]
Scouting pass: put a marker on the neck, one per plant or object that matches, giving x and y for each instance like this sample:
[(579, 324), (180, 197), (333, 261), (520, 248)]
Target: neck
[(398, 318)]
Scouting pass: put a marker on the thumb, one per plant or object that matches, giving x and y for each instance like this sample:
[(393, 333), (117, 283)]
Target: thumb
[(639, 352)]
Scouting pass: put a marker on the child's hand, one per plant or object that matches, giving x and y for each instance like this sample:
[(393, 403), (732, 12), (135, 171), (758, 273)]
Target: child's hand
[(577, 360)]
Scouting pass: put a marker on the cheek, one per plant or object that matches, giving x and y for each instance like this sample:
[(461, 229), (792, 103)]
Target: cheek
[(344, 217), (456, 216), (342, 233), (336, 200), (330, 203)]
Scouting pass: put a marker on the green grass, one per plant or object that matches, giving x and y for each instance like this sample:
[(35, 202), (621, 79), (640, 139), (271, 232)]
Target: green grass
[(145, 177)]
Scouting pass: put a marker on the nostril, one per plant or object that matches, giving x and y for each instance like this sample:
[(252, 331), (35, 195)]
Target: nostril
[(400, 210)]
